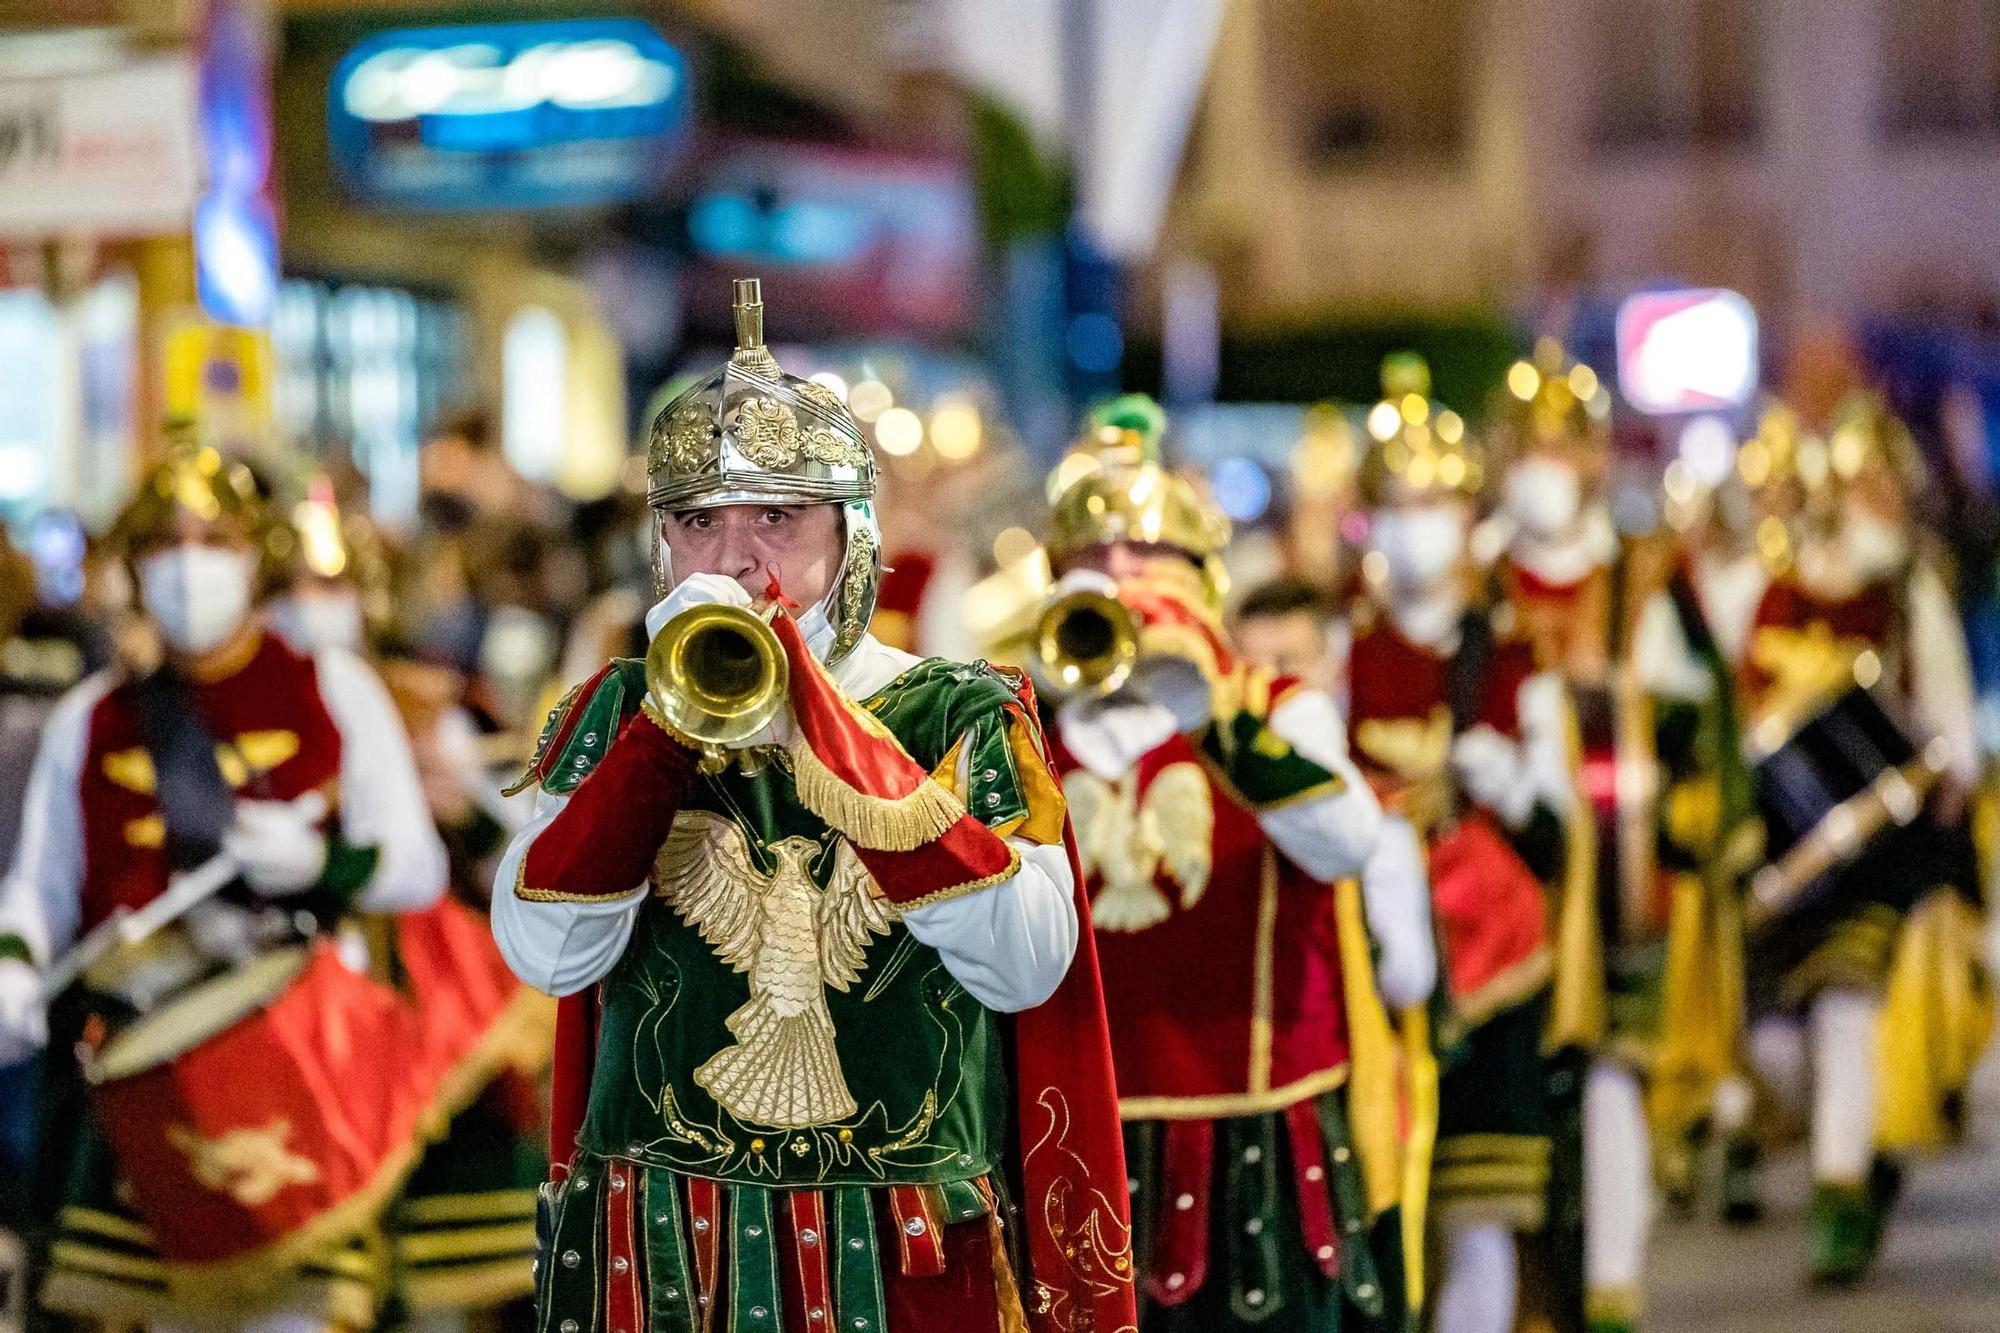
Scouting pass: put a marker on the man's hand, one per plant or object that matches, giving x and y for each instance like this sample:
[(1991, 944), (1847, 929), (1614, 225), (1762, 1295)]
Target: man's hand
[(279, 844), (24, 1021), (715, 590), (696, 590)]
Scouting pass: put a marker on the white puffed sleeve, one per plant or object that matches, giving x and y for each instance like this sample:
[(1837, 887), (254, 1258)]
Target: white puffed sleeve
[(1329, 837), (1542, 705), (1395, 895), (1009, 945), (41, 900), (558, 948), (381, 800)]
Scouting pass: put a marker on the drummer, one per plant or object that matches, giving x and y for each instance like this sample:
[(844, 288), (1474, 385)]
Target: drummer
[(296, 767), (1862, 604)]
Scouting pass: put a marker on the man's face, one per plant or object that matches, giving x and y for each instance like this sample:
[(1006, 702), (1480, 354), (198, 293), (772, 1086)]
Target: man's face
[(798, 545), (1291, 644), (1129, 560)]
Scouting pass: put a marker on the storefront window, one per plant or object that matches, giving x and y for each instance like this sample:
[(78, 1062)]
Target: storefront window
[(362, 372)]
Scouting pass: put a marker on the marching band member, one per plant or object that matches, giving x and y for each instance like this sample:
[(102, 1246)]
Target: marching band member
[(1215, 808), (335, 596), (820, 974), (1464, 737), (291, 773), (1860, 609)]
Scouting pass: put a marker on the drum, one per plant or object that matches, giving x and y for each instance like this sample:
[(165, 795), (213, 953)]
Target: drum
[(1844, 785), (267, 1111)]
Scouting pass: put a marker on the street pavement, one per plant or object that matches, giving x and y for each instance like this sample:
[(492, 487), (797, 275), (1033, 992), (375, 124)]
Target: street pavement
[(1939, 1273)]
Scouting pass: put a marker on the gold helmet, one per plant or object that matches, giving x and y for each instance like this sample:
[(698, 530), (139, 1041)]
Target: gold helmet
[(1552, 403), (193, 477), (324, 539), (748, 433), (1112, 487), (1417, 447)]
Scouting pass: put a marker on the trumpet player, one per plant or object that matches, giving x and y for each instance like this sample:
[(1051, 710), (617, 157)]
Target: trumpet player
[(811, 904), (1215, 809)]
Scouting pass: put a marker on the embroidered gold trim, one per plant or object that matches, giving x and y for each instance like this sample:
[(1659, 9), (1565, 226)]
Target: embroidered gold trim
[(1505, 988), (878, 823), (1263, 974), (528, 895), (970, 886), (1215, 1105), (1333, 786)]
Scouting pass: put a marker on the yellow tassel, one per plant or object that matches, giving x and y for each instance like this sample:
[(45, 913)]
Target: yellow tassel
[(1371, 1088), (1577, 1011), (1421, 1073), (879, 823)]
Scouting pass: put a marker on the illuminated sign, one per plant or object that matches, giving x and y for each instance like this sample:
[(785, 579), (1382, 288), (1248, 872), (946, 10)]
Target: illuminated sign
[(507, 115), (1687, 351)]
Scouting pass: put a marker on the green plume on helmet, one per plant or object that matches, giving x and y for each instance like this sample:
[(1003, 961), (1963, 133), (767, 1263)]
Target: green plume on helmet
[(1136, 413)]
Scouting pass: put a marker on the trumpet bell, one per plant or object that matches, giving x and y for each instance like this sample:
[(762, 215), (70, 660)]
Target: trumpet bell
[(1085, 643), (717, 674)]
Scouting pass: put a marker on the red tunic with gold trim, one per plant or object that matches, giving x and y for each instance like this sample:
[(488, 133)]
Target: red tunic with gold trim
[(1227, 989), (268, 719), (1492, 912), (1492, 1152)]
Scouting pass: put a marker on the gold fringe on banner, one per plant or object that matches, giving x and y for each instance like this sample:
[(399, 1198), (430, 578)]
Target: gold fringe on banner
[(878, 823)]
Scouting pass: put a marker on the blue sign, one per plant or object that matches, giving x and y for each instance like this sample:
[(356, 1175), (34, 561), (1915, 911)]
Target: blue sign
[(508, 115)]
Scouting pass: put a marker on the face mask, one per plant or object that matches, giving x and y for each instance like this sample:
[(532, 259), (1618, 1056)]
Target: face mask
[(1544, 495), (312, 623), (1873, 548), (198, 595), (1420, 545)]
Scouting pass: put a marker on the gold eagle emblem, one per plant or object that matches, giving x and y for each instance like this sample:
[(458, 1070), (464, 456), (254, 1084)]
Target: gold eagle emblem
[(251, 1165), (1127, 841), (793, 939)]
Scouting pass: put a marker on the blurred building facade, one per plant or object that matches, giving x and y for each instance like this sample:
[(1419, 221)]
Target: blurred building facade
[(1831, 160)]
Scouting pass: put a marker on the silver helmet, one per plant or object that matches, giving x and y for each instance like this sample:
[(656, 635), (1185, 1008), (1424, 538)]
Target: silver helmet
[(748, 433)]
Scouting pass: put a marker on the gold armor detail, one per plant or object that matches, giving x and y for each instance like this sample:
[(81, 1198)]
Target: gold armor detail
[(251, 1165), (793, 939), (1128, 841), (686, 439)]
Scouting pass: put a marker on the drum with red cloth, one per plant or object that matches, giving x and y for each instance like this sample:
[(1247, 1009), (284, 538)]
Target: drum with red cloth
[(274, 1109)]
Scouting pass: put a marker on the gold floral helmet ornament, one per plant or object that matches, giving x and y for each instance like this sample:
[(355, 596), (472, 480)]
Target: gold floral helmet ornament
[(748, 433), (1113, 488), (1418, 448), (1552, 404), (194, 477)]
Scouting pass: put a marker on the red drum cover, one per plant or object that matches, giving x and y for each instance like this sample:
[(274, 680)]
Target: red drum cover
[(292, 1128)]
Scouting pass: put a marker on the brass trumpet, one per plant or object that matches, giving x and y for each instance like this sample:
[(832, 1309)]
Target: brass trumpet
[(718, 675), (1085, 643)]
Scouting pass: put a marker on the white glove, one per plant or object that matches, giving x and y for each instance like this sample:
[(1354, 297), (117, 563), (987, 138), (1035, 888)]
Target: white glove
[(24, 1020), (715, 590), (1494, 774), (222, 930), (696, 590), (279, 844)]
